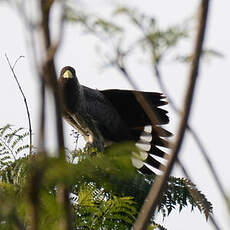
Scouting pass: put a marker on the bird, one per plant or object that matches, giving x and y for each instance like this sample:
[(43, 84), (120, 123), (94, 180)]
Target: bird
[(110, 116)]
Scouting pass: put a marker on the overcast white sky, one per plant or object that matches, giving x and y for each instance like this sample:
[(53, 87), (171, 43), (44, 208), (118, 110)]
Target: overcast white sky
[(210, 115)]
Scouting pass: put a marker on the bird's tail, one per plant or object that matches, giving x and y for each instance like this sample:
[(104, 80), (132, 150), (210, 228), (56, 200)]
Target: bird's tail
[(151, 156)]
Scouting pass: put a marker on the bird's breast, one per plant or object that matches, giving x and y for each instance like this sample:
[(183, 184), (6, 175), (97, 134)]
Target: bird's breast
[(72, 98)]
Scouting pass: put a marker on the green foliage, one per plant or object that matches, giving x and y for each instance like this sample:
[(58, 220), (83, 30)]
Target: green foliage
[(12, 144), (106, 191), (160, 41), (151, 38), (155, 226), (102, 210), (199, 198), (207, 54), (157, 42), (181, 192), (15, 173), (12, 207), (91, 23)]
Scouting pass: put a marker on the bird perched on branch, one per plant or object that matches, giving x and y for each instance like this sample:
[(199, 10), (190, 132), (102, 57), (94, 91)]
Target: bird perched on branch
[(107, 116)]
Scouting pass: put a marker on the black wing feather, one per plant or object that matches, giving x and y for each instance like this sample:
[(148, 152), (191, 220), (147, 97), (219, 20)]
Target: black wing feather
[(130, 110)]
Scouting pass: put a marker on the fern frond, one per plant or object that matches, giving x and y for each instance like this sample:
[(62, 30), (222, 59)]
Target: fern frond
[(86, 197), (21, 148), (19, 138), (15, 172), (12, 144), (10, 135), (181, 192), (4, 129), (122, 208), (201, 201), (97, 209)]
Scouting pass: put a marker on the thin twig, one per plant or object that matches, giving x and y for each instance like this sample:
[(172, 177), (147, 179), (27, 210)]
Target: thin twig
[(31, 30), (17, 60), (142, 101), (24, 98), (186, 174), (42, 118), (154, 196)]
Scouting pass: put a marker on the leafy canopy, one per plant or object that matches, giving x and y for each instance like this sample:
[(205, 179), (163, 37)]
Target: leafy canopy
[(106, 191)]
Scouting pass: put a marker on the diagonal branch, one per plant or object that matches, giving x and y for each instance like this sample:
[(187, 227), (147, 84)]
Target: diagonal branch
[(142, 101), (189, 128), (24, 97), (153, 198), (195, 137)]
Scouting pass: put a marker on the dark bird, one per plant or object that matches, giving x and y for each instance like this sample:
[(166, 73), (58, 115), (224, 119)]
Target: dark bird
[(107, 116)]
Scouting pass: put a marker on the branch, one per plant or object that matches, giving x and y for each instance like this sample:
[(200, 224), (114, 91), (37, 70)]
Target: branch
[(41, 145), (142, 101), (153, 198), (195, 136), (50, 79), (31, 28), (49, 72), (24, 98)]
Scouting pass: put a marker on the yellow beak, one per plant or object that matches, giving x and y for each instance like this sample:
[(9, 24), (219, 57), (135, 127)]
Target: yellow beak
[(68, 74)]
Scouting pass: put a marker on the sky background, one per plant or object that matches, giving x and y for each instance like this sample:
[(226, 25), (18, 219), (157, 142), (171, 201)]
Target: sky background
[(210, 113)]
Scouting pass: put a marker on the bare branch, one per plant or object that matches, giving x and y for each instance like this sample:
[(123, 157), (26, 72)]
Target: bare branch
[(49, 72), (31, 29), (55, 45), (142, 101), (50, 79), (153, 198), (24, 98), (17, 60), (119, 63), (42, 119)]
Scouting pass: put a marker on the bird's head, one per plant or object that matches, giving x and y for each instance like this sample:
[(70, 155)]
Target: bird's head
[(71, 90), (68, 72), (68, 79)]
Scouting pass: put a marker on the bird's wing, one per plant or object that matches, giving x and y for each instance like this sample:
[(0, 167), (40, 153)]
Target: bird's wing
[(131, 111), (107, 118), (124, 101)]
